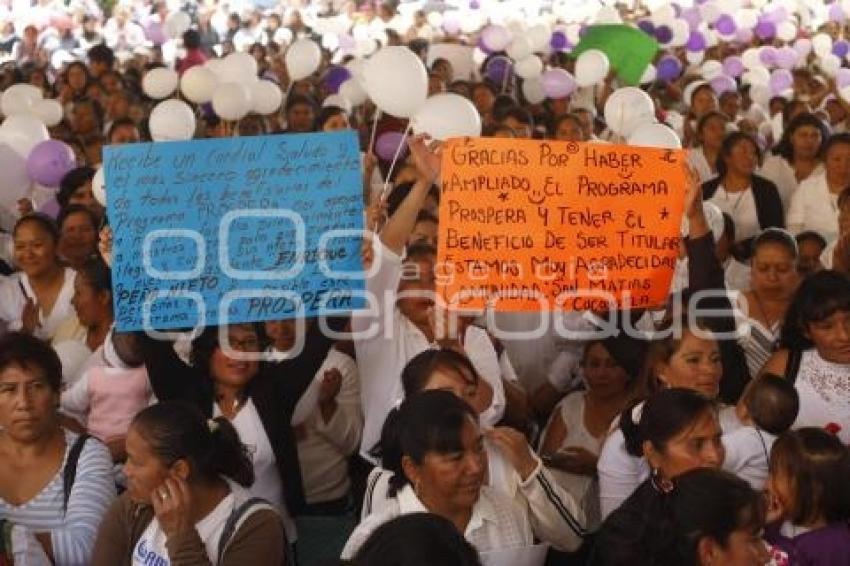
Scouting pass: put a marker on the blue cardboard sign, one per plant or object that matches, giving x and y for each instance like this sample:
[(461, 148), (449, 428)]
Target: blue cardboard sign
[(234, 230)]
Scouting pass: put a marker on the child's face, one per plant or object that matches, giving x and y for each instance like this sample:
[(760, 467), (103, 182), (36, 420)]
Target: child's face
[(780, 492)]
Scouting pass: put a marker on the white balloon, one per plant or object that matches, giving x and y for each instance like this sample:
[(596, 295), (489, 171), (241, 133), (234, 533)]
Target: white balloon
[(177, 23), (172, 120), (655, 135), (19, 99), (302, 59), (822, 44), (447, 115), (695, 57), (591, 67), (48, 111), (786, 31), (365, 47), (751, 58), (218, 68), (198, 84), (710, 11), (520, 48), (14, 183), (649, 74), (160, 83), (533, 91), (240, 66), (353, 92), (337, 100), (627, 108), (23, 132), (231, 101), (529, 67), (759, 76), (98, 186), (356, 68), (396, 81), (265, 97), (829, 64), (681, 31), (711, 69), (761, 95), (746, 18), (539, 36)]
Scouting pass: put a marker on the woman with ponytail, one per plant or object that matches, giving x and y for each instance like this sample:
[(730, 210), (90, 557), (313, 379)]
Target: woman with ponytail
[(186, 501)]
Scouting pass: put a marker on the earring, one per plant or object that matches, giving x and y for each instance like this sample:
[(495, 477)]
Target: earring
[(660, 483)]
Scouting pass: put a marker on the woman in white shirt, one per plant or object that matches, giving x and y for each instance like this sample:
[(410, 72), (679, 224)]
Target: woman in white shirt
[(37, 299), (711, 129), (815, 204), (439, 466), (797, 156)]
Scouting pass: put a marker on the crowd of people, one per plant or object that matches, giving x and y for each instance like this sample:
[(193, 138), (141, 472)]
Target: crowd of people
[(704, 441)]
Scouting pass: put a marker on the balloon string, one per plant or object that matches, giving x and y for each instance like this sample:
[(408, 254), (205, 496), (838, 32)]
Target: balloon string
[(371, 147), (386, 187)]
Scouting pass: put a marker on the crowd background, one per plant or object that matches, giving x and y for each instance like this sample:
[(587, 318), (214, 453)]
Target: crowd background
[(411, 446)]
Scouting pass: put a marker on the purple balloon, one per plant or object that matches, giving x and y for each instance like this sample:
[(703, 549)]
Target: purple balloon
[(558, 41), (387, 145), (768, 55), (498, 69), (722, 83), (335, 77), (765, 29), (842, 78), (693, 17), (725, 24), (669, 68), (786, 57), (558, 83), (836, 14), (776, 15), (780, 80), (663, 34), (840, 48), (48, 162), (451, 25), (474, 5), (647, 27), (51, 208), (733, 66), (696, 42), (483, 46)]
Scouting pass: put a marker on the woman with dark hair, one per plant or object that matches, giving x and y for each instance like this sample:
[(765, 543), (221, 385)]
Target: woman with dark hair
[(815, 352), (331, 119), (417, 539), (55, 485), (75, 188), (752, 201), (74, 86), (710, 132), (92, 302), (513, 469), (576, 431), (37, 299), (568, 127), (186, 500), (703, 517), (814, 206), (797, 156), (78, 227), (438, 462), (773, 280)]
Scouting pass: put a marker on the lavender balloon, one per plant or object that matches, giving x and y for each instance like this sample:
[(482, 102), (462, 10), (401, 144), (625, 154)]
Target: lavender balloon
[(733, 66), (558, 41), (840, 48), (669, 68), (780, 80), (663, 34), (836, 14), (765, 29), (51, 208), (696, 41), (48, 162), (693, 17), (722, 83), (387, 145), (558, 83), (498, 69), (842, 78), (725, 24), (768, 55), (786, 57), (335, 77)]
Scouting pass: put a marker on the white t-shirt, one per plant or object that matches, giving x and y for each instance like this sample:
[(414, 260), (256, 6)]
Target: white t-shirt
[(12, 301), (267, 482), (150, 548), (814, 207), (741, 206), (747, 454)]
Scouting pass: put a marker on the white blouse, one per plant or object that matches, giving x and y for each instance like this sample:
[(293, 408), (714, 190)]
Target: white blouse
[(12, 301), (814, 207), (741, 206)]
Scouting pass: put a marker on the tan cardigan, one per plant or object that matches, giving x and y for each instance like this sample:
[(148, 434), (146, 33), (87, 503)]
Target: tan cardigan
[(259, 540)]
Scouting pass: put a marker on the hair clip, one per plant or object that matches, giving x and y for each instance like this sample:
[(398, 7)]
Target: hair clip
[(212, 425)]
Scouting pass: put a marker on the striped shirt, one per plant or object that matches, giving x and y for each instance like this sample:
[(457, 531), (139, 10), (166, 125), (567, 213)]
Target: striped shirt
[(72, 532)]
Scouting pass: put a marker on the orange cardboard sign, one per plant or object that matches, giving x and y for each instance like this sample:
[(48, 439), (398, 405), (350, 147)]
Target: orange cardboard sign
[(549, 225)]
